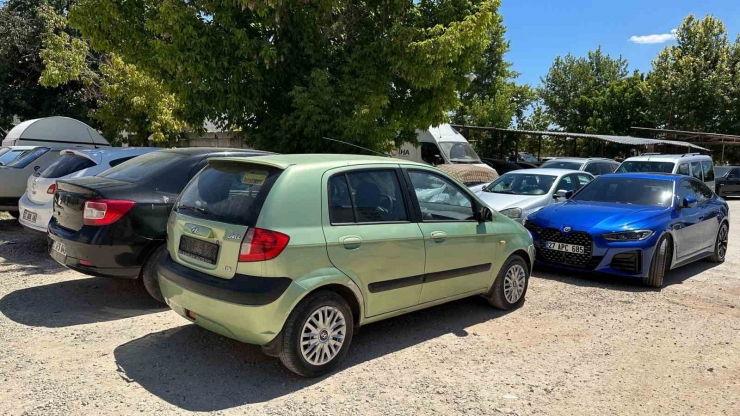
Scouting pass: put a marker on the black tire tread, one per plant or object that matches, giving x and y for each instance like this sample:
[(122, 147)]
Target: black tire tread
[(659, 264), (496, 297)]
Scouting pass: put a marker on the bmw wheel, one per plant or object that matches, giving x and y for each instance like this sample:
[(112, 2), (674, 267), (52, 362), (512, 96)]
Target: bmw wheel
[(720, 245), (661, 261), (317, 334), (511, 284)]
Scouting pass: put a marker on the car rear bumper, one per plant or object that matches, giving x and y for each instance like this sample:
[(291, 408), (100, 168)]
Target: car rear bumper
[(272, 299), (42, 211)]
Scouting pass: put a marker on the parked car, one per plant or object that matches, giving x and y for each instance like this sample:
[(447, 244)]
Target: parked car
[(526, 157), (115, 224), (35, 206), (526, 165), (699, 166), (593, 165), (521, 193), (10, 153), (633, 224), (501, 166), (729, 183), (295, 252)]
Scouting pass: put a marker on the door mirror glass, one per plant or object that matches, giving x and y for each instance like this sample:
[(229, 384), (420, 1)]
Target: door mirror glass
[(689, 202)]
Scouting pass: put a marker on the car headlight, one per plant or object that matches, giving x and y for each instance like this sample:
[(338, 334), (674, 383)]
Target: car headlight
[(512, 212), (637, 235)]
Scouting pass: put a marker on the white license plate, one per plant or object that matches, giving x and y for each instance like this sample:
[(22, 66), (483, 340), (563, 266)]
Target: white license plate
[(59, 248), (29, 216), (568, 248)]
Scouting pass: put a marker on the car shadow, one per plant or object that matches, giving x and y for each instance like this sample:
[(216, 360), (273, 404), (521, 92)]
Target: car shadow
[(25, 249), (622, 283), (198, 370), (78, 302)]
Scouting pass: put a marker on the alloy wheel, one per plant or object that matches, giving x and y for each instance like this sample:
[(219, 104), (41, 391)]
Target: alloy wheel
[(323, 335), (514, 283), (722, 242)]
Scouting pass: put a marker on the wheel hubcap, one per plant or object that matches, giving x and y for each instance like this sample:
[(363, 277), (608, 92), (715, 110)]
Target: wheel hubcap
[(514, 283), (323, 335), (722, 242)]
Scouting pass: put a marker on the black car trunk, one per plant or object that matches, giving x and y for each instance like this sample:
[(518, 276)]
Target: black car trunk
[(70, 198)]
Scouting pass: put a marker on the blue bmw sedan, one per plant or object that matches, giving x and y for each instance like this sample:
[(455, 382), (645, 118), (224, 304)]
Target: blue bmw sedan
[(633, 224)]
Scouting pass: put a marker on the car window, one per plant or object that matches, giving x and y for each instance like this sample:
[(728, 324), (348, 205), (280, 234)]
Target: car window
[(735, 172), (11, 155), (701, 190), (116, 162), (439, 198), (685, 189), (583, 180), (696, 170), (606, 168), (567, 183), (562, 164), (683, 169), (143, 166), (521, 184), (646, 166), (708, 170), (630, 191), (372, 196), (428, 153), (65, 165), (593, 168), (25, 159)]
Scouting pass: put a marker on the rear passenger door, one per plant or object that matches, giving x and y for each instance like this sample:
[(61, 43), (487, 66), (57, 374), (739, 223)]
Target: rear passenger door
[(371, 238), (459, 249), (709, 213), (689, 229)]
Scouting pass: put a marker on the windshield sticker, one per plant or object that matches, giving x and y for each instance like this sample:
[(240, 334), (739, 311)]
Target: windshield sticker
[(254, 177)]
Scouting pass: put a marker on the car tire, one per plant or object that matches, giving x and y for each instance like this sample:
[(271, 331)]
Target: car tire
[(511, 284), (149, 273), (304, 360), (720, 244), (659, 263)]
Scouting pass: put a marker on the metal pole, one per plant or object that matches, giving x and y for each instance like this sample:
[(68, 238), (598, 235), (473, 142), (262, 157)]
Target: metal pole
[(603, 149), (516, 148), (501, 147), (575, 147), (722, 161), (539, 147)]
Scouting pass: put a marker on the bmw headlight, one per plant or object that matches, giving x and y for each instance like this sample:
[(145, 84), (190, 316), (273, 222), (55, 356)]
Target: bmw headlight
[(512, 213), (637, 235)]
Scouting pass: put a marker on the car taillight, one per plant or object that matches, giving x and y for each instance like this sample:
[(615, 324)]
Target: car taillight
[(52, 189), (259, 245), (105, 211)]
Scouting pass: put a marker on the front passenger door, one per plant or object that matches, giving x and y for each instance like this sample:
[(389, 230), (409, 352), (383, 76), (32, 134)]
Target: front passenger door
[(688, 230), (459, 249)]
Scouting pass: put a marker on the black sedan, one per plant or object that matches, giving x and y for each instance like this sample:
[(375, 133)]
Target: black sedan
[(728, 183), (115, 224)]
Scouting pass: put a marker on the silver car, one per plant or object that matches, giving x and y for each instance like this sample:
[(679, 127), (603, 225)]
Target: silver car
[(520, 193)]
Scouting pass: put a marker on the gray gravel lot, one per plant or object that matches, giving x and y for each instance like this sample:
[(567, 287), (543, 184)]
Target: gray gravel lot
[(72, 344)]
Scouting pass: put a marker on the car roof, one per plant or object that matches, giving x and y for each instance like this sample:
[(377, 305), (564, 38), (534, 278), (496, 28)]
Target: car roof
[(195, 151), (547, 171), (581, 159), (667, 158), (661, 176), (325, 160)]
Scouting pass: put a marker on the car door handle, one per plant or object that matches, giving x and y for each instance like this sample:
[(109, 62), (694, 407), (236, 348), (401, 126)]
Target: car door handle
[(438, 236), (351, 242)]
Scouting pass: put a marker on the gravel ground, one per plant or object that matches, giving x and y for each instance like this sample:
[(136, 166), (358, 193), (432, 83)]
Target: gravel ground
[(72, 344)]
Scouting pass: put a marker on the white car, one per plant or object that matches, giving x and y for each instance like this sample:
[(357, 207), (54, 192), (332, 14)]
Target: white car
[(690, 164), (520, 193), (35, 205)]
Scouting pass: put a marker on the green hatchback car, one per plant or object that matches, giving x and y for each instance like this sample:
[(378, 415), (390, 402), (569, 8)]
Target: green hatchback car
[(296, 252)]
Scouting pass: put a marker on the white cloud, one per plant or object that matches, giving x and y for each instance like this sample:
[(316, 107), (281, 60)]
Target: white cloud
[(657, 38)]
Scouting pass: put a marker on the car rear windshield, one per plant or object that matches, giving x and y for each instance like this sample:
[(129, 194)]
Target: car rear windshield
[(65, 165), (562, 164), (143, 166), (229, 192), (646, 167), (27, 157), (632, 191)]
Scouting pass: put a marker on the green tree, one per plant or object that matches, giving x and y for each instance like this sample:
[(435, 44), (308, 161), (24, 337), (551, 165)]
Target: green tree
[(21, 94), (290, 73)]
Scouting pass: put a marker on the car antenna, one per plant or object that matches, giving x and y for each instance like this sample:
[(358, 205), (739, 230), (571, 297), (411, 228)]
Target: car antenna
[(359, 147)]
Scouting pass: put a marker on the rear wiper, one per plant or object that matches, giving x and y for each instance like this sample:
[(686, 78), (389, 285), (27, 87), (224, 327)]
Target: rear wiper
[(192, 208)]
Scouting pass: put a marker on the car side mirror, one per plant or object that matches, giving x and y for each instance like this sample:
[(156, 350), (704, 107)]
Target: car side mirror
[(689, 202), (483, 215), (562, 193), (437, 160)]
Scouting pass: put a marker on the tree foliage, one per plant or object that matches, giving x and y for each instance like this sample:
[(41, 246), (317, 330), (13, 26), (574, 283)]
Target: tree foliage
[(290, 73)]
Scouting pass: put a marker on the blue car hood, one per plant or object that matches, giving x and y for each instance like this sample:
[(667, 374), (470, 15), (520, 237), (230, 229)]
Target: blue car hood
[(600, 215)]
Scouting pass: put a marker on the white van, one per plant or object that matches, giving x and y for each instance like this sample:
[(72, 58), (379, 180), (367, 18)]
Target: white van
[(54, 132), (441, 145), (690, 164)]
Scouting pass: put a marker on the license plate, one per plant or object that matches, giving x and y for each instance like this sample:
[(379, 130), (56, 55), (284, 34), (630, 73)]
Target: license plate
[(568, 248), (29, 216), (59, 248), (198, 249)]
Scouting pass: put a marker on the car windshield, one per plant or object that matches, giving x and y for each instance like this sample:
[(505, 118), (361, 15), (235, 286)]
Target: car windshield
[(25, 158), (521, 184), (562, 164), (527, 157), (459, 152), (645, 167), (142, 166), (632, 191), (9, 155), (719, 171)]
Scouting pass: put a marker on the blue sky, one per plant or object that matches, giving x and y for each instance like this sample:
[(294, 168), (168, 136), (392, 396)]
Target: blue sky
[(540, 30)]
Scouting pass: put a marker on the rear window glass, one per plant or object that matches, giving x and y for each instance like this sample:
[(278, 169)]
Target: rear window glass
[(143, 166), (9, 156), (561, 164), (65, 165), (630, 191), (26, 158), (696, 170), (646, 166), (229, 192)]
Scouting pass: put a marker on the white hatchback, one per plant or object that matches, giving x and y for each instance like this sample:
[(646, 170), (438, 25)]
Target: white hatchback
[(35, 205)]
